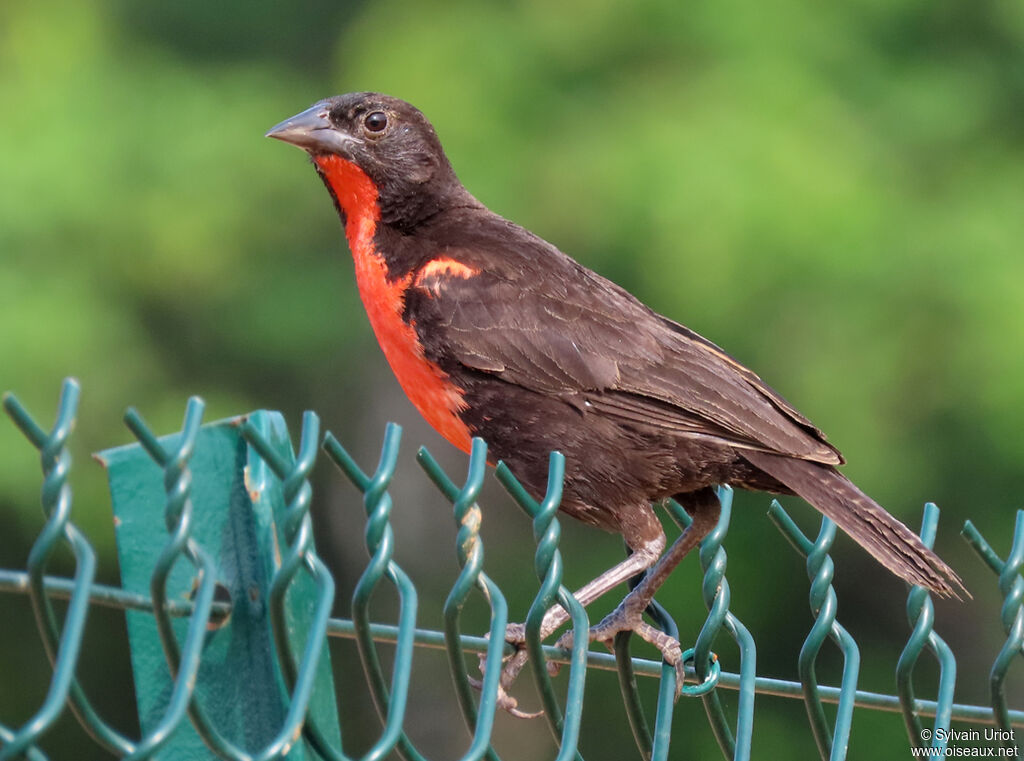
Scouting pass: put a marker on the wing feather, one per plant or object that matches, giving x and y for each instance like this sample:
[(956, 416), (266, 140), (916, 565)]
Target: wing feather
[(534, 317)]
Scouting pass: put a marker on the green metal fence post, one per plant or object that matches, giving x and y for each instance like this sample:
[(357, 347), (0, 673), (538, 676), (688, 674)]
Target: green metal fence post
[(240, 689)]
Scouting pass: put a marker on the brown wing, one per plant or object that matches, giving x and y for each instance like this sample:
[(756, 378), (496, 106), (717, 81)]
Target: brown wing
[(534, 317)]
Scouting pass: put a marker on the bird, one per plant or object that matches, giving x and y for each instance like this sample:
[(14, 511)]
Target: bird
[(493, 332)]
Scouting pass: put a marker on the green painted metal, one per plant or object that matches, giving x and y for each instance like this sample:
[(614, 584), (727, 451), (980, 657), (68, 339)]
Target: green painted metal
[(716, 594), (662, 734), (228, 608), (62, 648), (547, 564), (1011, 615), (380, 541), (298, 623), (653, 745), (921, 614), (832, 745), (241, 540), (470, 554)]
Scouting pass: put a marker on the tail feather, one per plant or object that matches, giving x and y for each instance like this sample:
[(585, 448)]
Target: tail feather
[(890, 542)]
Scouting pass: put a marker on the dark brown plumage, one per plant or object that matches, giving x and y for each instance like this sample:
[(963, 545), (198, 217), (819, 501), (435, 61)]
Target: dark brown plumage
[(494, 332)]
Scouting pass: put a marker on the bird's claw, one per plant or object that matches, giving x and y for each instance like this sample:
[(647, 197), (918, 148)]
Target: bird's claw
[(680, 668), (623, 620), (511, 706), (515, 635), (503, 700)]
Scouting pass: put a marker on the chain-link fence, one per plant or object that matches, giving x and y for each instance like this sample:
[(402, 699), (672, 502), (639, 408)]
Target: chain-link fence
[(228, 610)]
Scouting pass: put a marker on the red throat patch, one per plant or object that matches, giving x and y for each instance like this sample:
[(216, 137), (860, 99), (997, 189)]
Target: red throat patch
[(357, 196), (428, 388)]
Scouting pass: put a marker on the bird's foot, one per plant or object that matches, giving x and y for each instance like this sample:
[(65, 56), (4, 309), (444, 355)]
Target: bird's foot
[(627, 619), (515, 635)]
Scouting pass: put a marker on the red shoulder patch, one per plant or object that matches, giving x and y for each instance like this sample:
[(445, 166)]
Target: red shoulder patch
[(433, 273)]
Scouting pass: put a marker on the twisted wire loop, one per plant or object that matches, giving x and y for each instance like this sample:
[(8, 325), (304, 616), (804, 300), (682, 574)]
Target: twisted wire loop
[(548, 567), (470, 555), (717, 597), (1011, 585), (62, 647), (183, 662), (921, 616), (653, 746), (820, 569), (380, 542), (297, 531)]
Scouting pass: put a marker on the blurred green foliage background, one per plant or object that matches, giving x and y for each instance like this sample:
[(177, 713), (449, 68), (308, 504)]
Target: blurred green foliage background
[(833, 192)]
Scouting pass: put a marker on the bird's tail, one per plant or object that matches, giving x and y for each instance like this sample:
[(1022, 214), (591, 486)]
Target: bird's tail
[(890, 542)]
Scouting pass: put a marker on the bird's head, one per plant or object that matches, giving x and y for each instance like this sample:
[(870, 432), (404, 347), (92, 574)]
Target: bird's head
[(387, 140)]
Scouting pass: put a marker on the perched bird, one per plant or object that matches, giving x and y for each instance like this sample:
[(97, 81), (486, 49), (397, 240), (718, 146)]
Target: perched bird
[(493, 332)]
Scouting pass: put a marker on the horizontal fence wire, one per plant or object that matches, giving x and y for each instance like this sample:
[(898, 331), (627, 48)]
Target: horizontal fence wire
[(183, 626)]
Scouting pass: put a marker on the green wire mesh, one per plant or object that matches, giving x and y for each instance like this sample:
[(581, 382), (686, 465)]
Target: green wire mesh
[(268, 479)]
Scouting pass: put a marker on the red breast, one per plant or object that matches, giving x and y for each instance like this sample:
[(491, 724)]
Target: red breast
[(426, 385)]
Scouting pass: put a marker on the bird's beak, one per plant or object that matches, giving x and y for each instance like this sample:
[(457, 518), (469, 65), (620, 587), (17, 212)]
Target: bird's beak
[(312, 131)]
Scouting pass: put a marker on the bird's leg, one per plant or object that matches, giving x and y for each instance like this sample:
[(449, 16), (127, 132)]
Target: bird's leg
[(704, 508), (642, 557), (645, 538)]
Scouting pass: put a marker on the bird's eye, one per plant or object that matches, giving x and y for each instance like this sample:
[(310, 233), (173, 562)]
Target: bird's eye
[(376, 121)]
